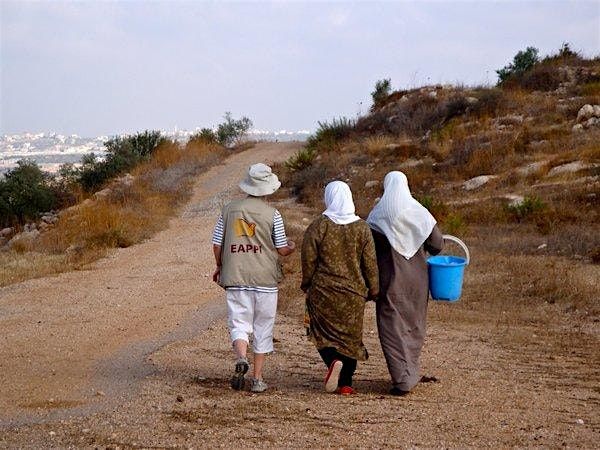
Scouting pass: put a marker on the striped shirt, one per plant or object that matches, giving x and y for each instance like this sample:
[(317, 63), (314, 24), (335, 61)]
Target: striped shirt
[(279, 239)]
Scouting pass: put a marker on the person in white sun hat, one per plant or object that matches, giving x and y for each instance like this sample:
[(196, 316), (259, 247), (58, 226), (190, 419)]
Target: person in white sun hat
[(247, 240)]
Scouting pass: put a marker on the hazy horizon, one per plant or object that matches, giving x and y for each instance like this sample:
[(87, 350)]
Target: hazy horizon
[(99, 68)]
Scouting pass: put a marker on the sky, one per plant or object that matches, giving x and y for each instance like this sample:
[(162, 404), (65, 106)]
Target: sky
[(102, 68)]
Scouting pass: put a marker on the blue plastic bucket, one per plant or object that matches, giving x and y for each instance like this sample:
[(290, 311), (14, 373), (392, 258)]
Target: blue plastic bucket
[(446, 273)]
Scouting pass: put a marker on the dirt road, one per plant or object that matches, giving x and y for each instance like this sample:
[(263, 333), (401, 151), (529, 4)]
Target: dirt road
[(134, 353), (70, 340)]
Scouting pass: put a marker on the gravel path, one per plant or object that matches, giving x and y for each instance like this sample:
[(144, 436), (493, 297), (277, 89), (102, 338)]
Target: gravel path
[(71, 343)]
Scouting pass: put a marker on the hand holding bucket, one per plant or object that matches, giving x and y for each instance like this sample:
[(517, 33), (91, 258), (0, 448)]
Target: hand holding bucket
[(446, 273)]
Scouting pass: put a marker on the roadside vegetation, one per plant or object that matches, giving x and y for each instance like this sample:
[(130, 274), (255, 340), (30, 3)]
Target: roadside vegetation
[(512, 169), (65, 221)]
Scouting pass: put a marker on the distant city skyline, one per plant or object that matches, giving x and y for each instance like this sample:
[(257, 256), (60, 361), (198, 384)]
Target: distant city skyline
[(103, 68)]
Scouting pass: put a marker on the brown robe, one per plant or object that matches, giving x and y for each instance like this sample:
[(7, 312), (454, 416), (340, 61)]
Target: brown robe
[(339, 269), (402, 306)]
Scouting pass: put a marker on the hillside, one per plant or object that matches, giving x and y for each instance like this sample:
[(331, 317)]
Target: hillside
[(521, 161)]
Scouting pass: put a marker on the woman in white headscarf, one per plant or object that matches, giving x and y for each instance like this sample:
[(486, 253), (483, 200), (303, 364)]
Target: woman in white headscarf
[(404, 231), (339, 273)]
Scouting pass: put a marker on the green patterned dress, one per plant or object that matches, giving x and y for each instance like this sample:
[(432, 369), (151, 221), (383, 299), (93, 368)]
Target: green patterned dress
[(339, 271)]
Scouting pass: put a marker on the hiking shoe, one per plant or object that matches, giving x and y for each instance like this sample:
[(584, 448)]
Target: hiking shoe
[(258, 385), (346, 390), (237, 380), (333, 376)]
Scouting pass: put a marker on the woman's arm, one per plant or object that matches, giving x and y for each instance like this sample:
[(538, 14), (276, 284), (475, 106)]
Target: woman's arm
[(310, 254), (435, 242), (369, 266)]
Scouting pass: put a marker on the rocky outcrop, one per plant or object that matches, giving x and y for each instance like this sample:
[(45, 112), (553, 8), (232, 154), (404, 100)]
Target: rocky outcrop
[(477, 182), (572, 167), (23, 241), (530, 168), (588, 116), (514, 200)]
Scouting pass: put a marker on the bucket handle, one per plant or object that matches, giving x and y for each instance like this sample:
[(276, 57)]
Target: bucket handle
[(449, 237)]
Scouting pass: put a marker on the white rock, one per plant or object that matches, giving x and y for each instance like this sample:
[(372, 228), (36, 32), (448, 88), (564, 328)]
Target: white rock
[(6, 231), (432, 94), (514, 200), (542, 246), (572, 167), (596, 110), (477, 182), (103, 193), (371, 183), (592, 122), (585, 112), (577, 128), (472, 100), (530, 168), (580, 421), (25, 238), (411, 162), (538, 144), (126, 180), (50, 218), (393, 146)]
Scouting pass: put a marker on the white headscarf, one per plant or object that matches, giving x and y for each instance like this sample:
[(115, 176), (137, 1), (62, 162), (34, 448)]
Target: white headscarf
[(339, 204), (404, 221)]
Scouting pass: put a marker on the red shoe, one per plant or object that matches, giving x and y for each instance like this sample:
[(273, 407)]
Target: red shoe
[(346, 390), (333, 376)]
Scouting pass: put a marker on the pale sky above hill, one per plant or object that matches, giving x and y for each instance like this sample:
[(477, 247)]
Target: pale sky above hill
[(95, 68)]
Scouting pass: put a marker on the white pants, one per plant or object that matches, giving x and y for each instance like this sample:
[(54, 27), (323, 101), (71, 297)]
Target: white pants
[(251, 312)]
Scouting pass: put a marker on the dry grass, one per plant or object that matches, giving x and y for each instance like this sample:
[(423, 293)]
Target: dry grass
[(130, 214), (533, 266)]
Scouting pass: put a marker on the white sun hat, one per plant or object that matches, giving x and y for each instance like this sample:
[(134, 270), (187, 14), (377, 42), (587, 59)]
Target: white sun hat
[(260, 181)]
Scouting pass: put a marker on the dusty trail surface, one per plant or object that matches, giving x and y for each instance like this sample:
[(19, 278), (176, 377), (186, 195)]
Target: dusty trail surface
[(150, 318), (61, 335)]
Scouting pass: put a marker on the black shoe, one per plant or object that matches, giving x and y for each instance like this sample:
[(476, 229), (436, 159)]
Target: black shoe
[(237, 380), (398, 392)]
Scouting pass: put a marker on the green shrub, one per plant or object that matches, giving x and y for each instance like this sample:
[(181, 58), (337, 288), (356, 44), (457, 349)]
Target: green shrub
[(382, 91), (527, 208), (522, 62), (302, 159), (232, 131), (327, 136), (564, 55), (205, 136), (330, 134), (436, 207), (25, 192), (123, 153), (454, 224)]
